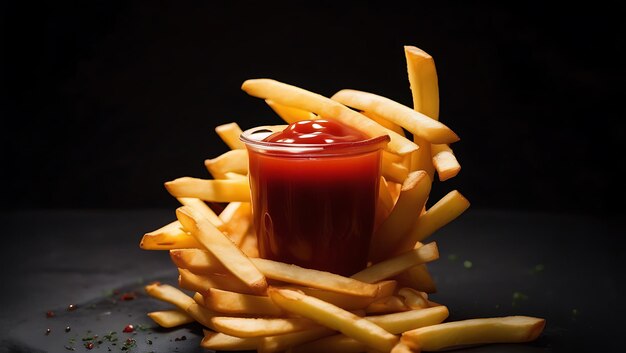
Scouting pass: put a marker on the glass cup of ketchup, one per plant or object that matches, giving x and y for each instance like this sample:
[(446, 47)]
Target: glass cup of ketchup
[(314, 190)]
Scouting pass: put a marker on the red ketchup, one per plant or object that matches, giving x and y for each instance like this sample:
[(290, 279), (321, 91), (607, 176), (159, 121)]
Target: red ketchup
[(314, 188)]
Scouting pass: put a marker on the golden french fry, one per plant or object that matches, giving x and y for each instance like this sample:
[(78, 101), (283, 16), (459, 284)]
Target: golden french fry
[(314, 278), (403, 347), (280, 343), (414, 299), (222, 342), (445, 162), (237, 303), (235, 161), (347, 301), (198, 298), (229, 133), (406, 210), (441, 213), (170, 318), (385, 123), (222, 248), (419, 278), (332, 344), (170, 236), (395, 323), (249, 244), (400, 322), (197, 261), (413, 121), (259, 327), (390, 304), (201, 315), (290, 114), (218, 190), (449, 335), (334, 317), (384, 196), (203, 209), (425, 90), (324, 107), (397, 264), (201, 283), (239, 223), (393, 171), (169, 294)]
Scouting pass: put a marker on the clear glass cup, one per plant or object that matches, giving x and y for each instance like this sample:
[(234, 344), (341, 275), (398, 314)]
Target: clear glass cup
[(314, 204)]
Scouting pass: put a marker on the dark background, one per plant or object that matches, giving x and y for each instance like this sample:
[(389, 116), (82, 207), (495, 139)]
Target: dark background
[(106, 100)]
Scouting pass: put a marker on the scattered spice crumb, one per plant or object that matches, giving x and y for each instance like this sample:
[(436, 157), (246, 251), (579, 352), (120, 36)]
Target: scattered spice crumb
[(50, 314), (68, 329), (48, 331), (89, 345), (129, 328), (69, 348), (128, 296), (129, 344), (183, 338), (467, 264), (72, 307)]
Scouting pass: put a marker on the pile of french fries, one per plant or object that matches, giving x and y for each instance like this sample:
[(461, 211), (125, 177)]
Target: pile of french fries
[(245, 302)]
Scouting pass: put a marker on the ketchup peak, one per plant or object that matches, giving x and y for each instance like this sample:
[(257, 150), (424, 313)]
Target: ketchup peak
[(318, 131)]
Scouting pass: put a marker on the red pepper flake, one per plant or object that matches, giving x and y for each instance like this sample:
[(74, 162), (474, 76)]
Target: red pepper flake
[(129, 328), (50, 314), (71, 307), (128, 296), (89, 345)]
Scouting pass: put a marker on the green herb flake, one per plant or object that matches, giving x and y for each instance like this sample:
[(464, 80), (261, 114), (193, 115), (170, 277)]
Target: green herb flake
[(518, 297), (453, 257), (467, 264)]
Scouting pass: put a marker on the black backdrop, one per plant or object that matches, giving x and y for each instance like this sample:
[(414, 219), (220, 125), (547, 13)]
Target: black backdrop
[(103, 101)]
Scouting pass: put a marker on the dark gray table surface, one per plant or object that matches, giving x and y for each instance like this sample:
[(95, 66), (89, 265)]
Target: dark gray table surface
[(565, 268)]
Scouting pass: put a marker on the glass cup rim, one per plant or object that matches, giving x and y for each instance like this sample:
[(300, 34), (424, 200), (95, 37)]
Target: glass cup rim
[(307, 149)]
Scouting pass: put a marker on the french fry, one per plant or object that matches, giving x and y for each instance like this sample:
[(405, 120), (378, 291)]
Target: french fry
[(203, 209), (425, 90), (259, 327), (296, 97), (235, 161), (397, 264), (441, 213), (170, 318), (314, 278), (201, 283), (218, 190), (390, 304), (400, 322), (222, 342), (335, 318), (229, 133), (395, 323), (198, 298), (385, 123), (197, 261), (414, 299), (290, 114), (413, 121), (222, 248), (239, 222), (346, 301), (249, 244), (170, 236), (393, 171), (237, 303), (419, 278), (169, 294), (201, 314), (280, 343), (384, 196), (413, 195), (445, 162), (449, 335)]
